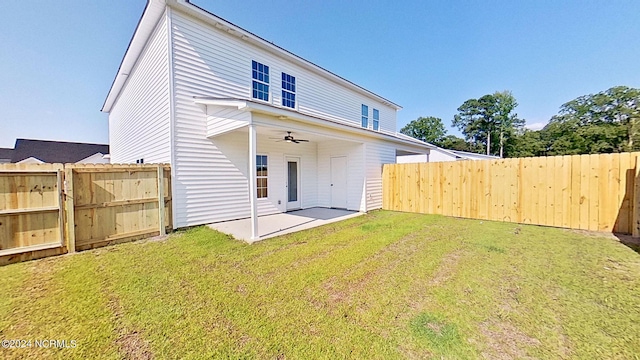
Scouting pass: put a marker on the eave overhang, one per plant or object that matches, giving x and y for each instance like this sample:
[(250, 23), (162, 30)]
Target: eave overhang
[(282, 113)]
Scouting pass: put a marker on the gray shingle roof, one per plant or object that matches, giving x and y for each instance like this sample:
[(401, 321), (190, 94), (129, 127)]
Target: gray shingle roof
[(55, 151), (5, 155)]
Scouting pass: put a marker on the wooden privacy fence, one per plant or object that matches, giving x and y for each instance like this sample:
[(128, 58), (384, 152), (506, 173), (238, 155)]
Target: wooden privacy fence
[(51, 209), (591, 192)]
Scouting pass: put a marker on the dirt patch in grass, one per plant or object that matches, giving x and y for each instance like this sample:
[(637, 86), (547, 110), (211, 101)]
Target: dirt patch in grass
[(39, 282), (503, 341), (446, 268), (132, 345), (424, 287), (395, 254)]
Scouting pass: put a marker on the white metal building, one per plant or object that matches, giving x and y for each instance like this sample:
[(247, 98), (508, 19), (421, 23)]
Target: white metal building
[(438, 154)]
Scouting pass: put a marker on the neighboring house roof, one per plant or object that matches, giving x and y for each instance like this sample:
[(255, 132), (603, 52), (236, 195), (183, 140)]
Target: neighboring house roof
[(474, 156), (5, 155), (448, 152), (55, 151), (154, 10), (414, 140), (30, 160)]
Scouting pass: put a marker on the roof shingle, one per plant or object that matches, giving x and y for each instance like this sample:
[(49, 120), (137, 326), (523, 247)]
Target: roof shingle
[(55, 151)]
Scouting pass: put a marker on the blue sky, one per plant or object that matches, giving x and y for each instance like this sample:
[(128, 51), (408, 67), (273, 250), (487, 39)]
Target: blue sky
[(59, 58)]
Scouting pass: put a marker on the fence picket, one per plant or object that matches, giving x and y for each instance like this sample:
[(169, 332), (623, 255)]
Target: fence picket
[(103, 203), (590, 192)]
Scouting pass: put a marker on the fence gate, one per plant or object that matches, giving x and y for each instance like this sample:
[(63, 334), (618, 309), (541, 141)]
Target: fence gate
[(31, 209), (53, 209)]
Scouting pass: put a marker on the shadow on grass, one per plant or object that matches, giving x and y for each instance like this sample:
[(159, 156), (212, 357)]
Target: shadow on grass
[(629, 241)]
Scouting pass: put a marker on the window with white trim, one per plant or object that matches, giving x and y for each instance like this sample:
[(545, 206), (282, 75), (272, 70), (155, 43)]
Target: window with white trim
[(262, 173), (260, 85), (376, 119), (288, 90), (365, 116)]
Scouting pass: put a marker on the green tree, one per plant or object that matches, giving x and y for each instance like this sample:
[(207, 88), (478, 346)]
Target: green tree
[(476, 120), (482, 120), (602, 116), (453, 142), (508, 123), (428, 129), (568, 135), (525, 143)]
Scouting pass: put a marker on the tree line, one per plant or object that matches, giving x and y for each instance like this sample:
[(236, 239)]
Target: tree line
[(606, 122)]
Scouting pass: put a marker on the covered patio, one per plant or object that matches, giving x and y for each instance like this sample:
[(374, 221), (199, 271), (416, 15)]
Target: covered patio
[(283, 223)]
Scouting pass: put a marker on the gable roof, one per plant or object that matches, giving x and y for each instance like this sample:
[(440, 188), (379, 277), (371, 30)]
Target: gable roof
[(55, 151), (5, 155), (155, 9)]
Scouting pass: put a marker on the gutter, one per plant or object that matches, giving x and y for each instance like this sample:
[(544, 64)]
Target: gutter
[(253, 106)]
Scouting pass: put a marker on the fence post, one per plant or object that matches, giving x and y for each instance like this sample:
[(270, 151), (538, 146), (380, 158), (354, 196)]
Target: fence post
[(635, 220), (70, 210), (161, 199)]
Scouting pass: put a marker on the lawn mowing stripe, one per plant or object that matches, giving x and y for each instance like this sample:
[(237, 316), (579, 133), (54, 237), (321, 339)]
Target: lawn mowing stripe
[(14, 278), (413, 286), (166, 303), (62, 301), (346, 237), (248, 312)]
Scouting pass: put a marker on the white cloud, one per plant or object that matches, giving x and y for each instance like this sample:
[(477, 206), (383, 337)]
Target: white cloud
[(535, 125)]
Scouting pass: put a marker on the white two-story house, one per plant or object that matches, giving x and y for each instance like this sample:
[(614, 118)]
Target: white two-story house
[(249, 128)]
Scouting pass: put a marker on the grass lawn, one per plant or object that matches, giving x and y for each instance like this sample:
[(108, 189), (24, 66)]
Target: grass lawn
[(382, 285)]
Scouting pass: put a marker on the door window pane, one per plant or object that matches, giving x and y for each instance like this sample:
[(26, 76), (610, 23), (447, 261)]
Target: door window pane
[(293, 180), (261, 178)]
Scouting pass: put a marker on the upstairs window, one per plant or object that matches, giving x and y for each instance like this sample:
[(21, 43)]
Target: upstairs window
[(288, 90), (376, 120), (260, 75), (365, 116), (261, 176)]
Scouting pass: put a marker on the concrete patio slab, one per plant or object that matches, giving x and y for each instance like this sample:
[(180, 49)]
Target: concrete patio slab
[(283, 223)]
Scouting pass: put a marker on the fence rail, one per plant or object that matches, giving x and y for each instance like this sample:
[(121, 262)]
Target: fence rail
[(50, 209), (590, 192)]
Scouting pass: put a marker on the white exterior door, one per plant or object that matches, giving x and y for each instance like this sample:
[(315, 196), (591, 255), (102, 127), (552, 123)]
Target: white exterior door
[(339, 182), (292, 169)]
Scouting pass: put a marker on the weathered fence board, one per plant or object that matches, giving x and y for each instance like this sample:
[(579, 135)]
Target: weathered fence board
[(590, 192), (50, 209)]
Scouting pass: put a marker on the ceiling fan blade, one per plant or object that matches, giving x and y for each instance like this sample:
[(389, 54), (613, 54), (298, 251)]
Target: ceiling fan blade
[(302, 140)]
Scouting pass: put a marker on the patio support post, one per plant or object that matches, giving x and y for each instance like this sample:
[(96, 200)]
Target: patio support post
[(253, 192)]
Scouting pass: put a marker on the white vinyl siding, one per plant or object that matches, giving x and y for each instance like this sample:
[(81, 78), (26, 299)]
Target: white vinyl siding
[(221, 192), (207, 146), (215, 63), (277, 152), (209, 185), (139, 121), (222, 119), (355, 172), (377, 154)]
